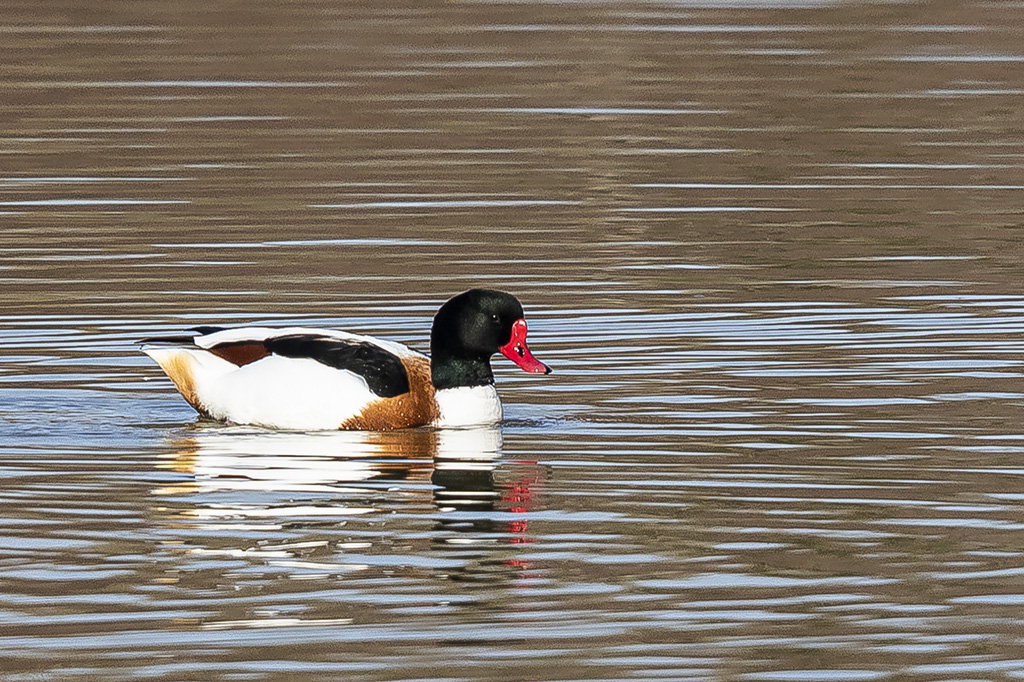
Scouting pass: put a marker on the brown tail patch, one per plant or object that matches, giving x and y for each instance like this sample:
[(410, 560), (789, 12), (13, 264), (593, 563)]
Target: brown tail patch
[(180, 368), (415, 408)]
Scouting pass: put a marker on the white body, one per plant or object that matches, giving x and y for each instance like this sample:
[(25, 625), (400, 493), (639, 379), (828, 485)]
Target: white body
[(300, 394)]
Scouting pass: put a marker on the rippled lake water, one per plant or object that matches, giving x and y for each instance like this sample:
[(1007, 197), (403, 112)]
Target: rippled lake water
[(773, 252)]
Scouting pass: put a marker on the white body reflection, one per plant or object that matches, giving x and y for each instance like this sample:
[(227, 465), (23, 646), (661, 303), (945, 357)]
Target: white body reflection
[(330, 503), (244, 459)]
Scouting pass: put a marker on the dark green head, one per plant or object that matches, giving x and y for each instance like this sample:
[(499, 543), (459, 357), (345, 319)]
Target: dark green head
[(469, 329)]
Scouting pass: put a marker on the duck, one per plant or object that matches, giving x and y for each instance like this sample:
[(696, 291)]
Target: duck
[(306, 379)]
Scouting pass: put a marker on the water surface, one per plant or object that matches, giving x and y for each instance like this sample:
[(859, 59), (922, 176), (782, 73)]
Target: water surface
[(771, 250)]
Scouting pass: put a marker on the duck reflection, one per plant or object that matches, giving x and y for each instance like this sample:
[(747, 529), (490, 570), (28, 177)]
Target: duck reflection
[(243, 477), (245, 459)]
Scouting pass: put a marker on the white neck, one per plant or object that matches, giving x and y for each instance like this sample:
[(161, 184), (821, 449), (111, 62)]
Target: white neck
[(468, 406)]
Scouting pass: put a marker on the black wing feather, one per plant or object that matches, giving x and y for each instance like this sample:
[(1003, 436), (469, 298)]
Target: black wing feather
[(184, 340), (207, 329), (384, 372), (170, 340)]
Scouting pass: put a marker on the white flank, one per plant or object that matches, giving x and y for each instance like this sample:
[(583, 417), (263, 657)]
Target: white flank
[(468, 406), (287, 393)]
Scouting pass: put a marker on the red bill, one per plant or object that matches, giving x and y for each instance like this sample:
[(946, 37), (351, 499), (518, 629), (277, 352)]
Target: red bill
[(518, 352)]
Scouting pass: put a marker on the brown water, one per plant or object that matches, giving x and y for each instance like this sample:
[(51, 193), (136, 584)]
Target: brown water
[(772, 250)]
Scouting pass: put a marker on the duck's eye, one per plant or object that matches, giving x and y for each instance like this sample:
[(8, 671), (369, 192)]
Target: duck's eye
[(494, 317)]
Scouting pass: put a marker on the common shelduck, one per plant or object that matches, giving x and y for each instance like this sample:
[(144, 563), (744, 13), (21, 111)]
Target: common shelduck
[(311, 379)]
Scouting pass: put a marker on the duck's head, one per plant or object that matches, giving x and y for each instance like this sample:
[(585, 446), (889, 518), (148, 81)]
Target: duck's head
[(469, 329)]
